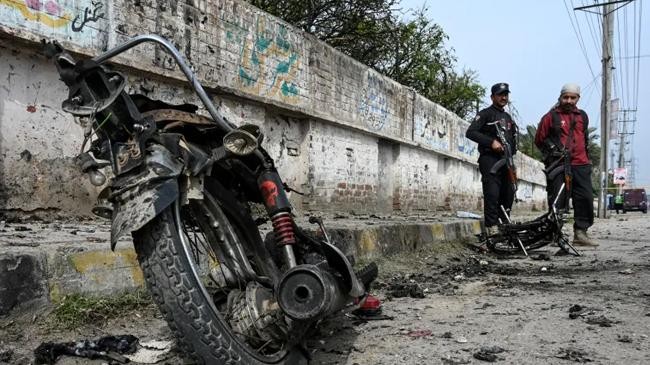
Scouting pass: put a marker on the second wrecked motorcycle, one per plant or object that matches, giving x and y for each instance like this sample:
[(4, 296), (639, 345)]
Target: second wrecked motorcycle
[(183, 187)]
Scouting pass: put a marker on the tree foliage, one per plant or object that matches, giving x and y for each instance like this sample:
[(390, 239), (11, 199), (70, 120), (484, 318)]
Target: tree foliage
[(411, 51)]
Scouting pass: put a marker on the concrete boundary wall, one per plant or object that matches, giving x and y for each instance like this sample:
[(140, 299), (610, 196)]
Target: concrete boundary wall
[(345, 135), (59, 260)]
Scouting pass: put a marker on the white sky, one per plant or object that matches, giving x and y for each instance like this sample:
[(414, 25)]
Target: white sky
[(532, 45)]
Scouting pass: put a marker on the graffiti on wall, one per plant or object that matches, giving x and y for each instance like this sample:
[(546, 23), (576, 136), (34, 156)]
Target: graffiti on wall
[(432, 129), (466, 146), (90, 15), (80, 21), (268, 63), (525, 191), (373, 106)]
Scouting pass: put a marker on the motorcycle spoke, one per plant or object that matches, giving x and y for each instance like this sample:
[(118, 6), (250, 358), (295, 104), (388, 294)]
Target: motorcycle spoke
[(209, 238), (199, 242)]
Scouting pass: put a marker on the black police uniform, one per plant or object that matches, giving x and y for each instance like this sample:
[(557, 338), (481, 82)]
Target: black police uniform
[(497, 189)]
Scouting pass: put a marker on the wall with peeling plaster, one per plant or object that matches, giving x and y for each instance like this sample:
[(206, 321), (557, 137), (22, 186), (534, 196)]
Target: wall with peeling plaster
[(348, 137), (37, 140)]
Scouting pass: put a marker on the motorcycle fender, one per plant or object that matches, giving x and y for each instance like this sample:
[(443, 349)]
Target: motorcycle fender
[(133, 213), (338, 261)]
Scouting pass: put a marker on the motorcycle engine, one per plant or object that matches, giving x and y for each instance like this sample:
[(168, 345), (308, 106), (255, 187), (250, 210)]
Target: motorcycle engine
[(256, 316)]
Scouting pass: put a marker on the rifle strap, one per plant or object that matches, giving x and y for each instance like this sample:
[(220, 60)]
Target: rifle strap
[(557, 128), (569, 142), (568, 174)]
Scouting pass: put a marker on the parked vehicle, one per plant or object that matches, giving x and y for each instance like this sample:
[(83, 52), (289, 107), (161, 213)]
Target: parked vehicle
[(635, 199), (183, 187)]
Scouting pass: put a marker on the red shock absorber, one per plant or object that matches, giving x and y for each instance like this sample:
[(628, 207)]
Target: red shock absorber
[(283, 228), (277, 206), (279, 209)]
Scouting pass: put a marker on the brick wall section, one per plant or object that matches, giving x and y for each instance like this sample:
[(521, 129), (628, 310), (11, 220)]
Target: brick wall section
[(428, 182), (350, 137), (342, 170)]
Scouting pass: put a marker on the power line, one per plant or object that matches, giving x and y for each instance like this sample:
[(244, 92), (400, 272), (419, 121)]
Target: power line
[(638, 59), (592, 31), (627, 61), (619, 66), (579, 37), (635, 57)]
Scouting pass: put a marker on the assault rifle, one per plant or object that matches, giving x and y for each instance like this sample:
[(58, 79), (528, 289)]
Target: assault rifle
[(507, 159)]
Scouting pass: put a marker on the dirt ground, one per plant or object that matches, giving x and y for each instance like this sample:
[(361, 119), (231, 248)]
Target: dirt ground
[(455, 306)]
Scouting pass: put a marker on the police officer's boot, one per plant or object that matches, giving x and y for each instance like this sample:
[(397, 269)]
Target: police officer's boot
[(580, 238)]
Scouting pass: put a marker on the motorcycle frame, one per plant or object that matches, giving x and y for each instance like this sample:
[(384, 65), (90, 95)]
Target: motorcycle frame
[(170, 183)]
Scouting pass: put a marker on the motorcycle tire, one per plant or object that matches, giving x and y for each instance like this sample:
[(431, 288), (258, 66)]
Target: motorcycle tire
[(202, 332)]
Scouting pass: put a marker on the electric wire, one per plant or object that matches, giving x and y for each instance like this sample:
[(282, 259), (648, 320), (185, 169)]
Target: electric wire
[(638, 57), (580, 39)]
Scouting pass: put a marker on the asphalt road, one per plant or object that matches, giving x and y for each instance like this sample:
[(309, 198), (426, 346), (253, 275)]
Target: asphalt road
[(513, 310), (461, 307)]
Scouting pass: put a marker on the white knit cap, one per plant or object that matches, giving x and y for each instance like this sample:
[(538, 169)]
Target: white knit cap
[(570, 88)]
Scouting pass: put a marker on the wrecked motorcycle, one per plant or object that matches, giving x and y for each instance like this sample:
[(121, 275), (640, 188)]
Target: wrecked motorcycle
[(184, 186), (544, 230)]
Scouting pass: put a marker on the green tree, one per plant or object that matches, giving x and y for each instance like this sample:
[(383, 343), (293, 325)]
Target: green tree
[(526, 143), (593, 149), (412, 52)]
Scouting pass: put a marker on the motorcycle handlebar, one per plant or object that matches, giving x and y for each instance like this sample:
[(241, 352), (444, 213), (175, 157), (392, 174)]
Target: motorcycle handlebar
[(169, 47), (224, 125)]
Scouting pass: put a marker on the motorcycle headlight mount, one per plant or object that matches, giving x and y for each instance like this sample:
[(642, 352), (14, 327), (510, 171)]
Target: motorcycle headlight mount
[(243, 140)]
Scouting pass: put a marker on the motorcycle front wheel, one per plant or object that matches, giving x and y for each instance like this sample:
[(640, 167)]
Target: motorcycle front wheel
[(198, 265)]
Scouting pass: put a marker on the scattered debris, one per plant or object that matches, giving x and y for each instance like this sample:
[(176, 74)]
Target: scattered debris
[(6, 354), (462, 214), (447, 335), (24, 244), (461, 339), (151, 352), (371, 306), (573, 355), (454, 360), (401, 290), (419, 333), (26, 155), (624, 338), (488, 353), (602, 321), (626, 272), (370, 310), (577, 310), (107, 348), (22, 229), (485, 306), (365, 318), (541, 256)]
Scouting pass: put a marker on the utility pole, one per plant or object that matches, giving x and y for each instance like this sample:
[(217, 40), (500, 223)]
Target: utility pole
[(608, 33), (624, 131), (621, 149)]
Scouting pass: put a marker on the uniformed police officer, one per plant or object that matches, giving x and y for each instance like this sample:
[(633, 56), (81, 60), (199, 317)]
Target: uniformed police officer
[(497, 189)]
